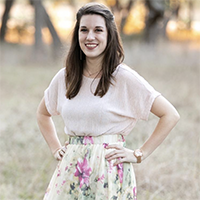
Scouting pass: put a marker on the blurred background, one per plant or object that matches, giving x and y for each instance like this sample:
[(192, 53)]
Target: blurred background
[(161, 39)]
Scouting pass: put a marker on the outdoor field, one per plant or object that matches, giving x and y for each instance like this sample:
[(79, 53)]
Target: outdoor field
[(172, 172)]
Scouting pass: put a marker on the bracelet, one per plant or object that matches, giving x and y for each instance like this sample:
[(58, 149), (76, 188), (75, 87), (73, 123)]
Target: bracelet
[(138, 154), (56, 150)]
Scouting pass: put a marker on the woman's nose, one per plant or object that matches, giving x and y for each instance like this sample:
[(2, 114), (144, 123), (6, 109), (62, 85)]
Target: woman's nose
[(90, 35)]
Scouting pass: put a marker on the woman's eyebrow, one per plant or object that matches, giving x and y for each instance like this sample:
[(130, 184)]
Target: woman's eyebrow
[(99, 27), (95, 27)]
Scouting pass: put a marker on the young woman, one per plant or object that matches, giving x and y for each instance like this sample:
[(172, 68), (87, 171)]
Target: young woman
[(100, 100)]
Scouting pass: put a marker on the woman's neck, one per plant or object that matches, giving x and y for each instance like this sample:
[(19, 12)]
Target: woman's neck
[(93, 68)]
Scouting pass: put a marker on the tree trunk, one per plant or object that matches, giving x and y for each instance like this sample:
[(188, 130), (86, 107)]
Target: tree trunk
[(38, 25), (121, 13), (8, 5), (126, 14), (42, 19), (191, 9), (156, 11), (56, 40)]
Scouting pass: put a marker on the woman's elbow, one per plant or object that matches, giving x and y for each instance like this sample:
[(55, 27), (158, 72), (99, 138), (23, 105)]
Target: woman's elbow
[(175, 117), (42, 110)]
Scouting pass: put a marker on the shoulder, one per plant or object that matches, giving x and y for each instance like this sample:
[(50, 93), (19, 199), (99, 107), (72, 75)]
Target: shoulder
[(59, 76), (60, 73), (58, 79), (129, 78), (127, 74)]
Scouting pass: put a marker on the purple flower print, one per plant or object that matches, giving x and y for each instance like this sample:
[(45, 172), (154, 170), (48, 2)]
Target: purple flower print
[(47, 191), (63, 182), (101, 178), (120, 171), (58, 174), (83, 171), (88, 140), (110, 166), (105, 145), (135, 193)]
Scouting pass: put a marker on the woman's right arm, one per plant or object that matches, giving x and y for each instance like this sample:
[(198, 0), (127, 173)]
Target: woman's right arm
[(47, 128)]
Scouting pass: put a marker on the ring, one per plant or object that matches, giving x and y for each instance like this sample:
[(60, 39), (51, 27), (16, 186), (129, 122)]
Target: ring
[(61, 152)]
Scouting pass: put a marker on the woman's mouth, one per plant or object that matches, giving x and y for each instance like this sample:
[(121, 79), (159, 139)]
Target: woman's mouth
[(91, 46)]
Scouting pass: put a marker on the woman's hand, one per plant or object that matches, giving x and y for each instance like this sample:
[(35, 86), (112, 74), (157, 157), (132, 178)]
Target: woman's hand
[(121, 154), (60, 152)]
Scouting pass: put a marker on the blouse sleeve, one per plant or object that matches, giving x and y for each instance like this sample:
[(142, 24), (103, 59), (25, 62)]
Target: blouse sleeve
[(140, 95), (53, 94), (146, 96)]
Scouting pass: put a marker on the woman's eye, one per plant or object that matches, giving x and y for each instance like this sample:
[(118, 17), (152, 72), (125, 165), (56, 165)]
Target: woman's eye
[(99, 30), (83, 30)]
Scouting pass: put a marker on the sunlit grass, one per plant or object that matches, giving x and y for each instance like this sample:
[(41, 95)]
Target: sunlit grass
[(171, 173)]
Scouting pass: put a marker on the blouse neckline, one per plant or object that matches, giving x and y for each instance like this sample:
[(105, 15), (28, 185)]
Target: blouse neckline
[(93, 78), (90, 78)]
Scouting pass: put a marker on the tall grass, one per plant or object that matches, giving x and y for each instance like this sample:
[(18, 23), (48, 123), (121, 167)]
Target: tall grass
[(170, 173)]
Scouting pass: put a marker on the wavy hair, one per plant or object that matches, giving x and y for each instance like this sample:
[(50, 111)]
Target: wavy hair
[(113, 53)]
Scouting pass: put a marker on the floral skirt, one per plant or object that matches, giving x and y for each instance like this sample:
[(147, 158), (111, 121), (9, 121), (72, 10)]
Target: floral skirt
[(85, 174)]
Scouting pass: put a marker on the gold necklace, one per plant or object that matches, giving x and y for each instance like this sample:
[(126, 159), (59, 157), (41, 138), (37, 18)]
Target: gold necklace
[(91, 74)]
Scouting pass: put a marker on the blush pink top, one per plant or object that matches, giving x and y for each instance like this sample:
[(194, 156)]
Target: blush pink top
[(128, 99)]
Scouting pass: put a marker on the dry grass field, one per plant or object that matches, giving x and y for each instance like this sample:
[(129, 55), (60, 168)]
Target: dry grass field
[(172, 172)]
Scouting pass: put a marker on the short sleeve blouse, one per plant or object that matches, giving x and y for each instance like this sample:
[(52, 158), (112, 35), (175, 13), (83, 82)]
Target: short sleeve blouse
[(129, 99)]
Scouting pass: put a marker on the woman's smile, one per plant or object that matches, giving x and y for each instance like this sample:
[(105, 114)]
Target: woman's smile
[(91, 46)]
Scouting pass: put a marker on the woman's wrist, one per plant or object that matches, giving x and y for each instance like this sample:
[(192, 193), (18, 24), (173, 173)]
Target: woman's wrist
[(55, 150), (138, 155), (59, 152)]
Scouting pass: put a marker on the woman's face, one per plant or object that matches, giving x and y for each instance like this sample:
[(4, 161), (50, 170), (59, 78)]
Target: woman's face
[(92, 35)]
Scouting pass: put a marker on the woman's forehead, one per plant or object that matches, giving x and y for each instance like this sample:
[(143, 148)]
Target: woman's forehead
[(92, 20)]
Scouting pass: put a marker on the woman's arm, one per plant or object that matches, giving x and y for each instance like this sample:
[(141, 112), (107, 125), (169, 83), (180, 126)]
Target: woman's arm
[(48, 130), (168, 119)]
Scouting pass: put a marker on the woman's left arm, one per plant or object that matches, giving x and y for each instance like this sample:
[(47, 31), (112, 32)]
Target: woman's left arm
[(168, 118)]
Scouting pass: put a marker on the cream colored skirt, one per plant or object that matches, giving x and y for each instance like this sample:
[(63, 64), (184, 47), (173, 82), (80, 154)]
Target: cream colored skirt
[(85, 174)]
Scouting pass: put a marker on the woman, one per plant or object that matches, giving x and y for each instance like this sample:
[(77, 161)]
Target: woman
[(100, 100)]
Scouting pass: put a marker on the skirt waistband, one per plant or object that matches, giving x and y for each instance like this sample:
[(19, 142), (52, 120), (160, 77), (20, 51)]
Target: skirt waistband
[(103, 139)]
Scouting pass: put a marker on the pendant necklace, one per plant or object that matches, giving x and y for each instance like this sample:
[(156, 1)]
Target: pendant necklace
[(91, 74)]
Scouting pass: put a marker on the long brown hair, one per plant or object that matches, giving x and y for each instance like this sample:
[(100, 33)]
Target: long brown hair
[(113, 53)]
